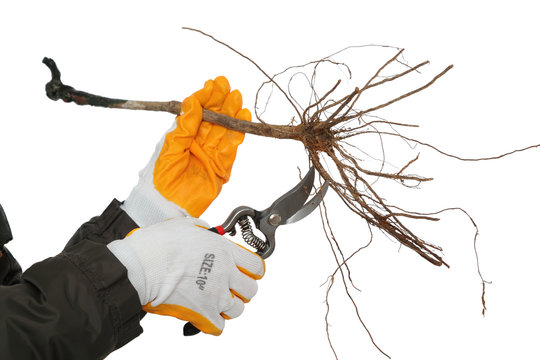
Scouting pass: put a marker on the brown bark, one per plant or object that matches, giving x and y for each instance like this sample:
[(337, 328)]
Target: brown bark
[(57, 90)]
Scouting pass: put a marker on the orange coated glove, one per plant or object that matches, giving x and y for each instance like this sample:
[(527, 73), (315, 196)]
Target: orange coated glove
[(192, 161)]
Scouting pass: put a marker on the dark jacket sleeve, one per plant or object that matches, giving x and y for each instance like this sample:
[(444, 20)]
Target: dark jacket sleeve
[(10, 270), (113, 224), (76, 305)]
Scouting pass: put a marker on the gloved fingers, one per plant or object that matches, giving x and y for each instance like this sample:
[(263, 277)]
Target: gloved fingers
[(226, 149), (243, 114), (231, 106), (229, 143), (213, 326), (204, 94), (248, 262), (243, 286), (214, 100), (235, 310), (232, 103), (188, 122), (218, 95), (173, 158), (212, 140)]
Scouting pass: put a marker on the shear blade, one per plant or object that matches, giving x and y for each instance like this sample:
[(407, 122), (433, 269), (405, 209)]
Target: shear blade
[(292, 201), (310, 205)]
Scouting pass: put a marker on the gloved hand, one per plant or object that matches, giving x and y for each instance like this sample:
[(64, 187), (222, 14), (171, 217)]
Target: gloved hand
[(182, 270), (192, 161)]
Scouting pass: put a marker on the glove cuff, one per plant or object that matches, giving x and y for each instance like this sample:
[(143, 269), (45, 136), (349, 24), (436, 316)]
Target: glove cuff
[(146, 206)]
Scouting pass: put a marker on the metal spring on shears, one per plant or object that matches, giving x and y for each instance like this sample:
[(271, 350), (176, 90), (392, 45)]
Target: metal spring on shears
[(249, 237)]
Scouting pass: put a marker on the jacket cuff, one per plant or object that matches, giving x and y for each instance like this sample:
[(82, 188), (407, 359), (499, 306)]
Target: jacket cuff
[(108, 277), (113, 224)]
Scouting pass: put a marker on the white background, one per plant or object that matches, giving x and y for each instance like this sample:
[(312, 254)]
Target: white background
[(62, 164)]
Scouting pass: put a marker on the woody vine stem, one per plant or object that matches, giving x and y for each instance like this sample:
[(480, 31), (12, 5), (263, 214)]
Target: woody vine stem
[(325, 126)]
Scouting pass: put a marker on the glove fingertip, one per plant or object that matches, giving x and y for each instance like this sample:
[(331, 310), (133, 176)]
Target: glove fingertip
[(243, 114), (203, 95), (222, 82), (249, 263), (232, 103), (256, 275), (218, 95)]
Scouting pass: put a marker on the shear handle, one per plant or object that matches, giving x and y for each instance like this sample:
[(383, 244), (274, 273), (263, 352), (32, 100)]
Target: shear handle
[(235, 215), (268, 230)]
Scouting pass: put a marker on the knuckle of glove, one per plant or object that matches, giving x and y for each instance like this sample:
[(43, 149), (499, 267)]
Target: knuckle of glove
[(203, 95), (245, 289), (234, 310)]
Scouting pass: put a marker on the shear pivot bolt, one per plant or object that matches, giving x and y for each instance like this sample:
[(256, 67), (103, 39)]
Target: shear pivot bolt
[(274, 219)]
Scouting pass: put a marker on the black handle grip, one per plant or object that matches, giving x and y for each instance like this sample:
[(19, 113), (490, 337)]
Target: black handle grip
[(189, 328)]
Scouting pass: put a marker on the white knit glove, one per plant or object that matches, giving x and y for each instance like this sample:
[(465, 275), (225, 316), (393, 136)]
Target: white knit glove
[(182, 270), (145, 204)]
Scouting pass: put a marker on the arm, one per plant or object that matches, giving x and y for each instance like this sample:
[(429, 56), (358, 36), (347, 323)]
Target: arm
[(10, 270), (78, 304)]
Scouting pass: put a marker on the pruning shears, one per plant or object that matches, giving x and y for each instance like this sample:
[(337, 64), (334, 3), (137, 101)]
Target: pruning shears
[(287, 209)]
